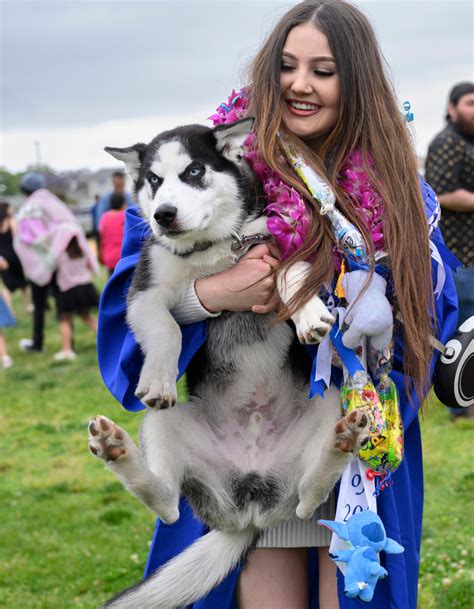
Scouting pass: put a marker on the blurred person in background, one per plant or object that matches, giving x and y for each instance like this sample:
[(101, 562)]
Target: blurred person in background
[(450, 172), (118, 183), (6, 320), (45, 227), (95, 230), (76, 294), (13, 277), (111, 231)]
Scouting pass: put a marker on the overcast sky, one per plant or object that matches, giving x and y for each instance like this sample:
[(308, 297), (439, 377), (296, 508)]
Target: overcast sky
[(78, 75)]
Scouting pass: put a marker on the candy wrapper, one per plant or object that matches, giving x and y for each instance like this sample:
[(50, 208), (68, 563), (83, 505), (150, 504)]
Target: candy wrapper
[(384, 450), (388, 396)]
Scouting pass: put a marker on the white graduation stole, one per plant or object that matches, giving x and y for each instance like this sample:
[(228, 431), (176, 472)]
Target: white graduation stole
[(356, 494)]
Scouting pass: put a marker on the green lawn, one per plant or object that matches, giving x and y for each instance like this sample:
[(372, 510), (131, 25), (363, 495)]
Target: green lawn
[(72, 537)]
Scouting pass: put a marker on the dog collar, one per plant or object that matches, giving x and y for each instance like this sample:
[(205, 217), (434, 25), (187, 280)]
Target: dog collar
[(198, 247), (242, 243), (239, 247)]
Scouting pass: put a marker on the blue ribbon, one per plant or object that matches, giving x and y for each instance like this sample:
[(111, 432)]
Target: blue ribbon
[(229, 107), (348, 357), (447, 256)]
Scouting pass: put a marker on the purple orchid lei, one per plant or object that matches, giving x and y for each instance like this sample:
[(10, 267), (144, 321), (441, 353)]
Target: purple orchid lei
[(288, 217)]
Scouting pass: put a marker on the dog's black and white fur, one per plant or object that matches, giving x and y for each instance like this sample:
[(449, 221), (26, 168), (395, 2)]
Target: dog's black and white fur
[(250, 448)]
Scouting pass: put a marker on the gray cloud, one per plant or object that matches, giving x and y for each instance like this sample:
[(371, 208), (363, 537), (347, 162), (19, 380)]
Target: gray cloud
[(83, 63), (70, 63)]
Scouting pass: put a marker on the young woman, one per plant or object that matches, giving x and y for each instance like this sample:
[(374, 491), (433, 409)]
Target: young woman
[(319, 80)]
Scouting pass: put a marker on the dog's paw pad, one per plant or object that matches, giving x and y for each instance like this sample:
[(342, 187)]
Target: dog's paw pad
[(155, 393), (161, 402), (357, 420), (106, 439), (351, 431), (141, 393)]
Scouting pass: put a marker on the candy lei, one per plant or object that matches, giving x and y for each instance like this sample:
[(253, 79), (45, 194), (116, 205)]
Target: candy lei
[(288, 216)]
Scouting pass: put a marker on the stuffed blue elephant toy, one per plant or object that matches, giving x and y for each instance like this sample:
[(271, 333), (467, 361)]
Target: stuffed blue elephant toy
[(366, 533)]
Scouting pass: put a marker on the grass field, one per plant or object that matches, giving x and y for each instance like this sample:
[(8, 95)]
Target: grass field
[(71, 536)]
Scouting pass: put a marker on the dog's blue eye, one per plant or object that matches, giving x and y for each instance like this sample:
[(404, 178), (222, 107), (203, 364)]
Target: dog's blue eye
[(154, 179), (196, 171)]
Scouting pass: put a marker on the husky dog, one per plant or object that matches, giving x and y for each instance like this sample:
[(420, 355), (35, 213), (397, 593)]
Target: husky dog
[(249, 449)]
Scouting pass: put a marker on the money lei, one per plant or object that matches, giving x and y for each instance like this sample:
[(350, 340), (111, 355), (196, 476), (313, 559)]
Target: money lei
[(347, 235)]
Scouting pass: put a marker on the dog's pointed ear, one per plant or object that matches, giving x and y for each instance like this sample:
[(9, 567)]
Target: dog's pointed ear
[(132, 157), (230, 138)]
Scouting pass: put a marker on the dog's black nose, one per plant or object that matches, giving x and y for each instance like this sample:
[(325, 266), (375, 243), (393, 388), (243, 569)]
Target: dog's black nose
[(165, 214)]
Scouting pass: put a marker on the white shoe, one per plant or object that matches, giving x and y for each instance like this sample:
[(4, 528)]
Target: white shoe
[(7, 362), (26, 344), (62, 356)]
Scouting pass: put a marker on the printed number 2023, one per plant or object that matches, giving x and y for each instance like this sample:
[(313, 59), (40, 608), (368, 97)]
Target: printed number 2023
[(358, 487)]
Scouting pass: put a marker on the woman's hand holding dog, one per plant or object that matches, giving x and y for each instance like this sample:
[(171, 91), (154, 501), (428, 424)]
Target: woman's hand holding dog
[(247, 286)]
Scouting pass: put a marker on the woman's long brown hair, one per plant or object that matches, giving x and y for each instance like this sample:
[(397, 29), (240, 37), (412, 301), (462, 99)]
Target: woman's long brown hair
[(370, 121)]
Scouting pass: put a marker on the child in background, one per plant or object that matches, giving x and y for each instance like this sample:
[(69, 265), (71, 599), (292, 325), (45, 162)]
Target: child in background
[(6, 320), (76, 295), (111, 231)]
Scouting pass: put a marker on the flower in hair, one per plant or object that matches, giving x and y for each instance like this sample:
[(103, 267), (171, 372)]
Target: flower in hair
[(233, 110)]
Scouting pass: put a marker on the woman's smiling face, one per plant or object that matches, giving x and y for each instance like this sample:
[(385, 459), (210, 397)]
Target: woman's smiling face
[(310, 86)]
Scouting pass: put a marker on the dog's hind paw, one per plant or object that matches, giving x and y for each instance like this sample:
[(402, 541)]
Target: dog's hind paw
[(107, 440), (351, 432)]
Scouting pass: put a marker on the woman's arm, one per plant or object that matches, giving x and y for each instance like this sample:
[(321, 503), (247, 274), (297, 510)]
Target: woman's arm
[(247, 286), (3, 264), (458, 200)]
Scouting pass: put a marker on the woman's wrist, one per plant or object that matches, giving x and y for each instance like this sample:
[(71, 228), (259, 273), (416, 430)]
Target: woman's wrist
[(208, 294)]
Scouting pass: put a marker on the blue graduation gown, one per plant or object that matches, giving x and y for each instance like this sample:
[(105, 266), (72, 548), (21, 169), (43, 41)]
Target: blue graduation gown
[(399, 506)]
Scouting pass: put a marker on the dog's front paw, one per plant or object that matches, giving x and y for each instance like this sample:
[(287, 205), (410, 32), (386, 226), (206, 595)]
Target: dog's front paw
[(351, 432), (313, 322), (153, 391), (107, 440), (157, 396)]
